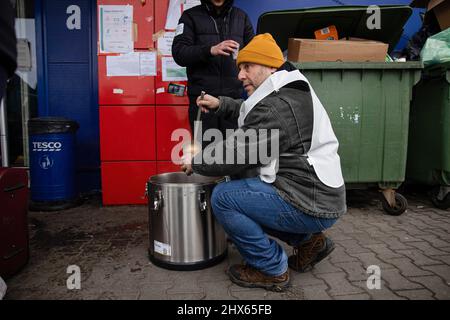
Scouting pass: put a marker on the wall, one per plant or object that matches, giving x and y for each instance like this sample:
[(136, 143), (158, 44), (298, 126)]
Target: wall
[(67, 76)]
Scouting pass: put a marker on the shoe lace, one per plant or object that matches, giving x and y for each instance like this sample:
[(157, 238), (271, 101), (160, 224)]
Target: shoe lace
[(307, 251)]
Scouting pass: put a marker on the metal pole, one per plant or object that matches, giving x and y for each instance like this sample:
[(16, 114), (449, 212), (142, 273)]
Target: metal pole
[(24, 90), (4, 133)]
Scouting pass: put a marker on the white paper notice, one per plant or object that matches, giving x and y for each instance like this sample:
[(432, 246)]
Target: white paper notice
[(133, 64), (165, 43), (173, 14), (171, 71), (25, 29), (147, 61), (190, 3), (116, 28), (23, 55), (123, 65)]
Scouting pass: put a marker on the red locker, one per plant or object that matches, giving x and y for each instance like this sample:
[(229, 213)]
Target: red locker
[(129, 90), (168, 119), (143, 20), (167, 92), (14, 249), (167, 166), (124, 182), (127, 133)]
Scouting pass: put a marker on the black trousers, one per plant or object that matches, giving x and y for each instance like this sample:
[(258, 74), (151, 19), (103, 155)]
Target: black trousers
[(209, 121)]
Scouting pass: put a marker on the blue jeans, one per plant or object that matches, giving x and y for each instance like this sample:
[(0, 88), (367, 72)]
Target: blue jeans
[(249, 209)]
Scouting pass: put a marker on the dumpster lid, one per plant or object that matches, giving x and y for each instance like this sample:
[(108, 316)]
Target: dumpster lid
[(350, 21), (44, 125)]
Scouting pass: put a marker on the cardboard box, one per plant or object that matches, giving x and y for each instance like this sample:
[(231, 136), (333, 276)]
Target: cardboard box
[(307, 50), (441, 10)]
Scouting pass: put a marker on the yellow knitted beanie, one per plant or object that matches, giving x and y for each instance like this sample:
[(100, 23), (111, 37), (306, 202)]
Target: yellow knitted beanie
[(262, 49)]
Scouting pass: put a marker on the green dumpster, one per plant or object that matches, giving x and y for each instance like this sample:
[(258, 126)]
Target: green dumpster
[(429, 134), (368, 103)]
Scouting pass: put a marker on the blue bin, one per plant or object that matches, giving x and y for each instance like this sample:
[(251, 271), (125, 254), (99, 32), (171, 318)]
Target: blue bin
[(52, 163)]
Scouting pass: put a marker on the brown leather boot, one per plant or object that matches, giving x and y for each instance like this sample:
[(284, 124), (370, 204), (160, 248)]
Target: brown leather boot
[(246, 276), (310, 252)]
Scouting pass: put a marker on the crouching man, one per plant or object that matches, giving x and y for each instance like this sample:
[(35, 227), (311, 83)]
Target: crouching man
[(293, 194)]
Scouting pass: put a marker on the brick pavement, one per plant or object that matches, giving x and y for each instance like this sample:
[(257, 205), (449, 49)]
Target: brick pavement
[(109, 244)]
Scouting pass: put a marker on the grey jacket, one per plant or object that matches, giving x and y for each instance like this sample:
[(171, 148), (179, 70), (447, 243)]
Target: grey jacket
[(290, 110)]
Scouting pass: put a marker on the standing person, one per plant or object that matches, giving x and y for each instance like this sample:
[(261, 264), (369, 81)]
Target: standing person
[(8, 44), (206, 37), (297, 192)]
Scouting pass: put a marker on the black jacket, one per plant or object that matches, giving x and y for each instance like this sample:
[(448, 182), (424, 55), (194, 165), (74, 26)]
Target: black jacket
[(202, 29), (8, 42)]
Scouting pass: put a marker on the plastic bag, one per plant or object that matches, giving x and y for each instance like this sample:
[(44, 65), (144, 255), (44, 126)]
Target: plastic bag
[(437, 48)]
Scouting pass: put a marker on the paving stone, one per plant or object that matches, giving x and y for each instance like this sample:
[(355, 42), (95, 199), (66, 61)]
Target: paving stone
[(419, 259), (325, 266), (395, 281), (359, 296), (292, 293), (444, 224), (355, 270), (418, 223), (353, 247), (427, 249), (405, 237), (393, 243), (216, 290), (154, 290), (370, 259), (445, 259), (441, 270), (434, 241), (383, 252), (412, 230), (337, 235), (183, 284), (186, 296), (441, 233), (214, 273), (305, 279), (110, 246), (435, 284), (338, 284), (316, 293), (349, 229), (422, 294), (241, 293), (407, 268), (157, 274), (339, 255), (386, 227), (370, 238), (384, 293), (428, 222)]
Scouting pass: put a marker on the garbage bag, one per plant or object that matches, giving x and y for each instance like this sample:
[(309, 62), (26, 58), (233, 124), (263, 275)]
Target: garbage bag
[(429, 28), (437, 48)]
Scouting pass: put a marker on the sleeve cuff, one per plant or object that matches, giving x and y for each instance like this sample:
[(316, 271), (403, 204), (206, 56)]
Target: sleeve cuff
[(206, 51)]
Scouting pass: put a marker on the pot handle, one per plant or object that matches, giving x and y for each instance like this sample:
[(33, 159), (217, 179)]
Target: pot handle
[(157, 200), (202, 200)]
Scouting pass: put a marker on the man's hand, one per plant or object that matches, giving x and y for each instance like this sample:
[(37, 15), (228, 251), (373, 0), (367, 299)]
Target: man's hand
[(189, 152), (207, 103), (225, 48), (187, 168)]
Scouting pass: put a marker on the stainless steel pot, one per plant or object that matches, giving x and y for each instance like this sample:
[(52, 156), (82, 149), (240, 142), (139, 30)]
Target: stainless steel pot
[(183, 233)]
